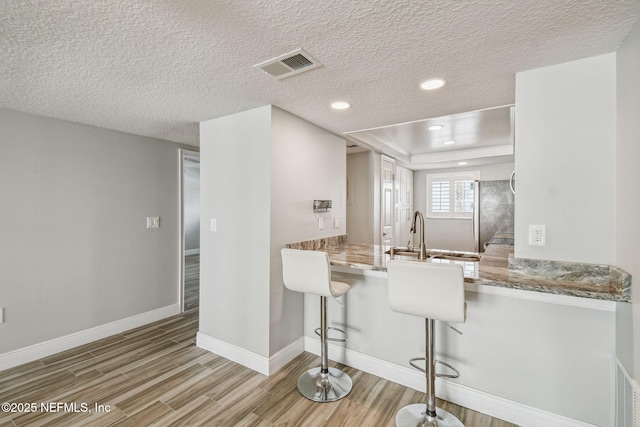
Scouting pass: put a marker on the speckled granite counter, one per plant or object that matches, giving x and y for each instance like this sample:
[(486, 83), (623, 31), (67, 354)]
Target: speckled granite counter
[(493, 269)]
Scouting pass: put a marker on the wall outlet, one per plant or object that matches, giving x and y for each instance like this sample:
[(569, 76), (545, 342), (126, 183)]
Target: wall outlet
[(537, 235), (153, 222)]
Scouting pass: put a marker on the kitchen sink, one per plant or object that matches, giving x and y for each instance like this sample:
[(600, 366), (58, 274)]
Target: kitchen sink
[(403, 251), (454, 256)]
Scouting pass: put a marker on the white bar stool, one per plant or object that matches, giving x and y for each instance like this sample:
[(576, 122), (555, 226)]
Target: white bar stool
[(435, 292), (309, 272)]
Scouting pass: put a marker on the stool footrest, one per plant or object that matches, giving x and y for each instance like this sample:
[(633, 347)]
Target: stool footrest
[(346, 337), (438, 375)]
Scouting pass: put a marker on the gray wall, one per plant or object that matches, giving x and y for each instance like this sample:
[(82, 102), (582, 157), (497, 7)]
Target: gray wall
[(628, 197), (75, 250)]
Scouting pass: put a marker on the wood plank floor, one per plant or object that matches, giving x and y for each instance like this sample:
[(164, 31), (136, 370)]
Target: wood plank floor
[(191, 281), (155, 375)]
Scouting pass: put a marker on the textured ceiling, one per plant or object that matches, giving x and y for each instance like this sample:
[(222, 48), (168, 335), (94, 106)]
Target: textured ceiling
[(157, 68)]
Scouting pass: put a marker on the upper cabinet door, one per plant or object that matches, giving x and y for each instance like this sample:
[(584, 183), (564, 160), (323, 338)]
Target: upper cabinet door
[(404, 186), (408, 192), (387, 203)]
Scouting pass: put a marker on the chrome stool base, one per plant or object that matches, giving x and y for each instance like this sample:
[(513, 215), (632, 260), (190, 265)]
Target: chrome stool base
[(415, 416), (328, 387)]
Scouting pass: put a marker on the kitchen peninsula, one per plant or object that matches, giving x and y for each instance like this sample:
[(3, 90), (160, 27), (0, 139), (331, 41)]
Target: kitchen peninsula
[(496, 267), (537, 347)]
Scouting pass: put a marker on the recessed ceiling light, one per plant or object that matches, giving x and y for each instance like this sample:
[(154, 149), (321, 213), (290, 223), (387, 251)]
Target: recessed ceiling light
[(462, 163), (433, 84), (340, 105), (435, 127), (449, 142)]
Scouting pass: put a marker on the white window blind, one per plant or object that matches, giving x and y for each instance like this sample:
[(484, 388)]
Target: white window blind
[(440, 196), (451, 195)]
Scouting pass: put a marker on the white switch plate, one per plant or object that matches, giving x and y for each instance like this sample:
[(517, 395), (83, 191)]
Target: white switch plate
[(537, 235), (153, 222), (214, 224), (320, 223), (336, 222), (1, 314)]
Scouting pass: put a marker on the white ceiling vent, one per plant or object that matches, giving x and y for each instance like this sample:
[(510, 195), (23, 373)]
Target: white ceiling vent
[(287, 65)]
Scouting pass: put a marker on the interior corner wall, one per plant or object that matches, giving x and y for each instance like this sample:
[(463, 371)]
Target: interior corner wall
[(235, 190), (628, 198), (565, 160), (360, 198), (75, 252), (308, 163)]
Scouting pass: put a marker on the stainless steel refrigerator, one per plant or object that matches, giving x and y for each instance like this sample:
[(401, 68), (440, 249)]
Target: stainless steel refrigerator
[(493, 210)]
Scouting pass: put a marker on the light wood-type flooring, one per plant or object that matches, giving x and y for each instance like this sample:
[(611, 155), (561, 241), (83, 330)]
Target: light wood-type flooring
[(191, 281), (155, 375)]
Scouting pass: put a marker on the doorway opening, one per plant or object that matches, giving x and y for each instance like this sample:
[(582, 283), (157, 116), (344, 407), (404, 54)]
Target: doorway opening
[(189, 229)]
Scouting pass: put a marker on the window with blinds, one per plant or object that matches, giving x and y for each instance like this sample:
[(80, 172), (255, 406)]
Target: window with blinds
[(440, 196), (451, 195)]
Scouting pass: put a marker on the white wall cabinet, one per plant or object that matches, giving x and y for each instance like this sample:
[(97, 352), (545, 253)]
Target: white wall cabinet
[(403, 189)]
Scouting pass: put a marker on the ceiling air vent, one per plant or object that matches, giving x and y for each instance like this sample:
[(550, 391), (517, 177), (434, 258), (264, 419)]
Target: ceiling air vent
[(287, 65)]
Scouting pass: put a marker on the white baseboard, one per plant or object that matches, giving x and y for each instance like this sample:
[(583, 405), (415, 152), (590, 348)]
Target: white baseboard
[(192, 251), (262, 364), (486, 403), (38, 351), (286, 355)]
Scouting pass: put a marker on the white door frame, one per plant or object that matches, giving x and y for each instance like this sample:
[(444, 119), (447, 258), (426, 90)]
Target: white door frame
[(183, 153)]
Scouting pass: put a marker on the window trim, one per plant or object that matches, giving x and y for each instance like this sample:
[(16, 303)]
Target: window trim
[(451, 177)]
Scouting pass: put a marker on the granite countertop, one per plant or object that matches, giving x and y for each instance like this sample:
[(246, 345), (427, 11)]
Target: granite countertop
[(493, 269)]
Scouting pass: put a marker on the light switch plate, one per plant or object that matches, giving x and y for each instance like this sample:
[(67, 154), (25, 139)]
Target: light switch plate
[(153, 222), (1, 314), (214, 224), (336, 222), (320, 223)]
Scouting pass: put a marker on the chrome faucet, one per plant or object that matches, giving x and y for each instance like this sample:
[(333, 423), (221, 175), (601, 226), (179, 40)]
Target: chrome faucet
[(422, 248)]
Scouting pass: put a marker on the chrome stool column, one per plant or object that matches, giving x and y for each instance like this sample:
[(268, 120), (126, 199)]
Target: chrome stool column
[(309, 272), (435, 292)]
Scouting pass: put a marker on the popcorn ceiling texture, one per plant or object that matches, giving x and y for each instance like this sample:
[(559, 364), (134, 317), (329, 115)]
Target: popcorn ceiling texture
[(157, 68)]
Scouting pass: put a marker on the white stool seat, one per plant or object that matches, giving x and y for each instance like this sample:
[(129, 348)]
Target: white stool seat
[(436, 292), (339, 288), (310, 272), (429, 290)]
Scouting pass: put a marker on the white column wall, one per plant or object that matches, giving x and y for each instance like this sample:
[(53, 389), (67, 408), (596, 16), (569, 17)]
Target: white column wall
[(260, 172), (235, 189), (628, 197), (565, 160)]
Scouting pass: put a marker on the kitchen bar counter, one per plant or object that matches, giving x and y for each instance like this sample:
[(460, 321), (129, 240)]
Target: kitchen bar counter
[(493, 270), (515, 342)]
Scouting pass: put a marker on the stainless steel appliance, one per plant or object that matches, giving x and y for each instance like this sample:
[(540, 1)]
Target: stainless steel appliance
[(493, 211)]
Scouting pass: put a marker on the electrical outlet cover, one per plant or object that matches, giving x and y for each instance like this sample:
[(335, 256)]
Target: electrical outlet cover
[(537, 235)]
